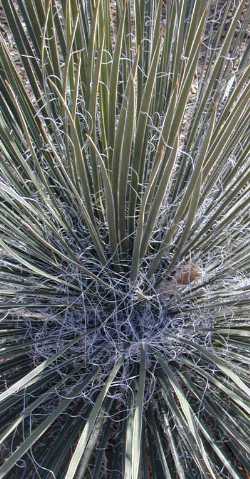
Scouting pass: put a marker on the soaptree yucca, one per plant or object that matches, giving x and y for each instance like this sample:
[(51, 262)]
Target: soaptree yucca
[(124, 248)]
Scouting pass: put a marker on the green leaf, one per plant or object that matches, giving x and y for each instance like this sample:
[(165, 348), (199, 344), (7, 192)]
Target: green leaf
[(88, 436), (134, 427)]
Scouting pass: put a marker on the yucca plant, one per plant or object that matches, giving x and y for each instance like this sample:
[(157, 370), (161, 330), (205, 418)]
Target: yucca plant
[(124, 249)]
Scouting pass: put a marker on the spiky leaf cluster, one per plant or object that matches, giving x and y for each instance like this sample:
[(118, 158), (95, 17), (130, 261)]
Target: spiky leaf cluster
[(124, 248)]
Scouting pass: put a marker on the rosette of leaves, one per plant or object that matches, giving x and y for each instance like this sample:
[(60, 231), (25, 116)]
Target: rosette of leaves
[(124, 249)]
